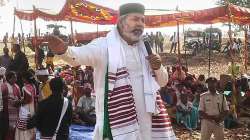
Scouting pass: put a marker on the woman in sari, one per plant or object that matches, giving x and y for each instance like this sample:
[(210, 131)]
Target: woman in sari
[(11, 103), (27, 109)]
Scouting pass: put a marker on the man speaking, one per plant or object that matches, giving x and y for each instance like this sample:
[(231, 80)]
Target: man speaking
[(126, 78)]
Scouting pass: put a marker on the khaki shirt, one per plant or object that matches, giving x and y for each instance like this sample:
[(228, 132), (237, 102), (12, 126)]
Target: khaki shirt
[(213, 104)]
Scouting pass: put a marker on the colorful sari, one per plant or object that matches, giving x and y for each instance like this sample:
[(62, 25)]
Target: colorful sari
[(11, 93)]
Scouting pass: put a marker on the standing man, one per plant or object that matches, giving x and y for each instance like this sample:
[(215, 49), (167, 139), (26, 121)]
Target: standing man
[(212, 109), (157, 42), (152, 39), (161, 41), (19, 64), (5, 58), (174, 43), (128, 104), (49, 112), (44, 87)]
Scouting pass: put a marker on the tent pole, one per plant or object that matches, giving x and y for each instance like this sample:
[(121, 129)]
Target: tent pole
[(178, 42), (22, 39), (14, 26), (234, 101), (97, 30), (185, 50), (209, 51), (245, 51), (72, 33), (35, 33)]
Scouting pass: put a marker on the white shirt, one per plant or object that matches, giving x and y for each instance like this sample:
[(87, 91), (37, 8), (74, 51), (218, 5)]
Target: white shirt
[(85, 103)]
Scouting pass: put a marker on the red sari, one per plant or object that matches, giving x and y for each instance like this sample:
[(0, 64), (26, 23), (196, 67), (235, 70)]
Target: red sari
[(11, 93)]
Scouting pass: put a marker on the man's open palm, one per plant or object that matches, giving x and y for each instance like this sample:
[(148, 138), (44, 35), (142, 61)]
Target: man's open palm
[(56, 45)]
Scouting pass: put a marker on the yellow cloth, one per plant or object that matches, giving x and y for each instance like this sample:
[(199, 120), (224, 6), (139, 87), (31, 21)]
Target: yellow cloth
[(45, 90), (49, 60), (234, 68)]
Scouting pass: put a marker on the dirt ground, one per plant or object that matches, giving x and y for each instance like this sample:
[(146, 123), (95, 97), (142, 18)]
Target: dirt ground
[(241, 133)]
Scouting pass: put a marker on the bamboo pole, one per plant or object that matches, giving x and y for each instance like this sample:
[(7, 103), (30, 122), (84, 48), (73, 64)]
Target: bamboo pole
[(185, 49), (178, 42), (72, 33), (22, 35), (245, 51), (35, 33), (234, 100), (14, 26), (209, 51)]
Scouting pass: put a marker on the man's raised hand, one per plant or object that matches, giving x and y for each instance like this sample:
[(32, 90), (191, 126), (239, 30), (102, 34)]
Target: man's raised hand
[(56, 45)]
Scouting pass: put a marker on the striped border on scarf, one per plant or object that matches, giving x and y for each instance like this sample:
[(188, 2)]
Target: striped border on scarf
[(22, 123), (121, 106), (161, 123)]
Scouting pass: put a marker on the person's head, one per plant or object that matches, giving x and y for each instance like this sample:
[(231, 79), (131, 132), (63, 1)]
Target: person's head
[(184, 98), (56, 86), (201, 77), (131, 22), (32, 71), (28, 77), (5, 51), (180, 87), (15, 48), (178, 68), (11, 77), (185, 69), (189, 79), (173, 69), (199, 88), (87, 89), (212, 84), (42, 75)]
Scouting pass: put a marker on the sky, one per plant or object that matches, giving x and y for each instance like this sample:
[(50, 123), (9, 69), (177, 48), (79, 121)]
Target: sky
[(6, 13)]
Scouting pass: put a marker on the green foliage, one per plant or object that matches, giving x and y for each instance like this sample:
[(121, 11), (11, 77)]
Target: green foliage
[(242, 3)]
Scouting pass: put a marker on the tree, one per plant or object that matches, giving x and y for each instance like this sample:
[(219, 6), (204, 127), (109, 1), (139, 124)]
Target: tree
[(242, 3), (56, 28)]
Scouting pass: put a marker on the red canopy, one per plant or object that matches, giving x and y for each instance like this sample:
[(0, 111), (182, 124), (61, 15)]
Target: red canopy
[(75, 10), (239, 16), (87, 12)]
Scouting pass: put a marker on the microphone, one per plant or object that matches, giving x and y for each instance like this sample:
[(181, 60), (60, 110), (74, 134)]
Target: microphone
[(148, 47)]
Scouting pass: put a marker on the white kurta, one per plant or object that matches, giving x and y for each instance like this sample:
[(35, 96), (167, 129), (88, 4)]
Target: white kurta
[(96, 54), (134, 66)]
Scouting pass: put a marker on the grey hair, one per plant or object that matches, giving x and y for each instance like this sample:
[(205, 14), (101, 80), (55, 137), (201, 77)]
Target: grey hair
[(121, 20)]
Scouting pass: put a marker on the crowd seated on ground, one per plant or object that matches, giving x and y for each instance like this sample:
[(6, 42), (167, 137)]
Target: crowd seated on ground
[(182, 95)]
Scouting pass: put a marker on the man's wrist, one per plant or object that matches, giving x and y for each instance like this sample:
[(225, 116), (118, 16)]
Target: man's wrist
[(63, 52)]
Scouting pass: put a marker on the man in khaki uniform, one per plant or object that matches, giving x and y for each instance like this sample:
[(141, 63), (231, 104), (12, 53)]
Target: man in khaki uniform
[(212, 109)]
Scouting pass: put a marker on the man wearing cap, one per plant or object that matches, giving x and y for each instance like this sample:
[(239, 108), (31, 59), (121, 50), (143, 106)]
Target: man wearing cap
[(212, 109), (127, 80), (44, 88)]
